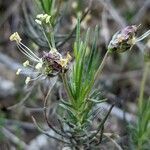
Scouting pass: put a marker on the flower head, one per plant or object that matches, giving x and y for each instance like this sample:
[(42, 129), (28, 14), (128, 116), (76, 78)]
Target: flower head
[(123, 40), (54, 62), (50, 64)]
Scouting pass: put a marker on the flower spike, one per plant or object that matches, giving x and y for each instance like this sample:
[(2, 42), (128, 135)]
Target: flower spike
[(125, 39)]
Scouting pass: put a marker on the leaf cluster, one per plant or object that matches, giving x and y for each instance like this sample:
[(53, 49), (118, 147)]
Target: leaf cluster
[(82, 97)]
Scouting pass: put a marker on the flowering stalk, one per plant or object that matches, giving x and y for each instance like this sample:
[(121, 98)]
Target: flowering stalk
[(50, 64), (100, 68), (121, 41)]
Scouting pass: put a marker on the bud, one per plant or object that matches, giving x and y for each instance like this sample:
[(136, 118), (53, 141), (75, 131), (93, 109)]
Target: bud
[(54, 63), (123, 40), (52, 67), (42, 18)]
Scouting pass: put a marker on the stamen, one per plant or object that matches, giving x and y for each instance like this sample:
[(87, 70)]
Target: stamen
[(28, 79), (30, 51), (37, 77), (26, 54), (143, 36)]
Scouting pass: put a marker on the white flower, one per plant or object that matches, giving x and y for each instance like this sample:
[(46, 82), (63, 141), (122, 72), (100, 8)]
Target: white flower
[(18, 71), (28, 79)]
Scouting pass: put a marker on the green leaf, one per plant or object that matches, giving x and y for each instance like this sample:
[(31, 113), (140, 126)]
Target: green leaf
[(97, 101), (66, 103)]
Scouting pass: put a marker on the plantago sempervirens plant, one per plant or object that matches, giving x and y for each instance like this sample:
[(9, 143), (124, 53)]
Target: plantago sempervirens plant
[(76, 113)]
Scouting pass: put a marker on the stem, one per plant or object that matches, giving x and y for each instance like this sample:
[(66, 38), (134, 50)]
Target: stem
[(101, 134), (113, 141), (46, 37), (52, 38), (45, 113), (142, 87), (99, 71), (139, 146)]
